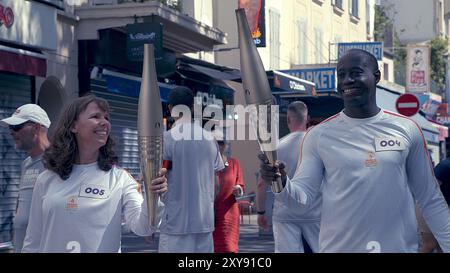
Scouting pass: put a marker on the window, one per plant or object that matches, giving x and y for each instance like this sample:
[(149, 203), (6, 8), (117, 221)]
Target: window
[(354, 8), (337, 7), (319, 41), (319, 2), (386, 72), (337, 3), (302, 46), (274, 26)]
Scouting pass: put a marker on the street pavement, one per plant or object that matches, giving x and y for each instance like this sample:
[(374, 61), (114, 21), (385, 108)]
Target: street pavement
[(249, 240)]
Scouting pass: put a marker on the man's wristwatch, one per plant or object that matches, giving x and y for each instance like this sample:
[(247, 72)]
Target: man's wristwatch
[(261, 212)]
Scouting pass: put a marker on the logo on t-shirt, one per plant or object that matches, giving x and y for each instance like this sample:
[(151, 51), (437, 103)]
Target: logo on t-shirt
[(94, 191), (72, 203), (371, 161), (389, 144)]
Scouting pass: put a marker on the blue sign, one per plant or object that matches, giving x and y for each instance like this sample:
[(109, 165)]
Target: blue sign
[(375, 48), (324, 78), (131, 87)]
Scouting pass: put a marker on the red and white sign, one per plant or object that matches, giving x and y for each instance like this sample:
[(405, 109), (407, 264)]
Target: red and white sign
[(407, 105)]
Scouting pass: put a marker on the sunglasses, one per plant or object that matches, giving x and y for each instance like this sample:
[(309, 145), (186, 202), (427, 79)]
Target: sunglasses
[(19, 127)]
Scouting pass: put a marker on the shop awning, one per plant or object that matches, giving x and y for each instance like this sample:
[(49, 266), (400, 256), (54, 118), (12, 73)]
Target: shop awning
[(282, 83), (216, 74), (130, 85), (22, 62)]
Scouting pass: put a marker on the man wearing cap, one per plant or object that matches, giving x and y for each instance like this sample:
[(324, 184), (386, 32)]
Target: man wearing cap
[(28, 126)]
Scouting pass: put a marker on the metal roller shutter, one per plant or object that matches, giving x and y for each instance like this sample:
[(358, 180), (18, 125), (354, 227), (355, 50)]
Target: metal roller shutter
[(15, 90), (123, 119)]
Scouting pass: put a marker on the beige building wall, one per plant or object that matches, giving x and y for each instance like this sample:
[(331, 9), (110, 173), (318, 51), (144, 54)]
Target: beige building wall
[(387, 69), (336, 25), (202, 11), (417, 20), (61, 82)]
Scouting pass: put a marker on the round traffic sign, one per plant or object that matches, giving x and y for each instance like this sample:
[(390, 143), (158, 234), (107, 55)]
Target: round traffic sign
[(407, 105)]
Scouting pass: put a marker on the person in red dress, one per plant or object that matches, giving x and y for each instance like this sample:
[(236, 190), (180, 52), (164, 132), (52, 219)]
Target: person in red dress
[(229, 185)]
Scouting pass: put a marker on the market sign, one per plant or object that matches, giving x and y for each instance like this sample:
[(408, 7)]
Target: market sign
[(324, 78), (143, 33), (375, 48)]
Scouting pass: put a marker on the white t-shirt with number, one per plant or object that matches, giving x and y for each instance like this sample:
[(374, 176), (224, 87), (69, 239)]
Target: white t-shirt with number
[(84, 213), (371, 169)]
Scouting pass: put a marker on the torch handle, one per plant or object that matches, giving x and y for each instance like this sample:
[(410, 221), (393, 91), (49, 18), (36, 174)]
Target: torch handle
[(151, 161), (277, 185)]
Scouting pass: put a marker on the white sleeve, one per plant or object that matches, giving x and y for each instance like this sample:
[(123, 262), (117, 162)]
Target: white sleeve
[(218, 162), (167, 146), (425, 188), (134, 206), (307, 180), (33, 236)]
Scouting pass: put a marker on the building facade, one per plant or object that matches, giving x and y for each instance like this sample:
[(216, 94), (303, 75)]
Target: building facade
[(416, 21), (37, 65), (299, 34), (52, 51)]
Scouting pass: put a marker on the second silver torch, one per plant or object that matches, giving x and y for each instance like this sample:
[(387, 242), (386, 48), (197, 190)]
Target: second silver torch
[(150, 129), (258, 95)]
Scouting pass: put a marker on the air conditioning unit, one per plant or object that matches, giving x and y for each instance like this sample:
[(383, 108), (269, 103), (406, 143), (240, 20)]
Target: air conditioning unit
[(103, 2)]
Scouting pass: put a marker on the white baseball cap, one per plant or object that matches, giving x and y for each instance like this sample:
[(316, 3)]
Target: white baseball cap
[(28, 112)]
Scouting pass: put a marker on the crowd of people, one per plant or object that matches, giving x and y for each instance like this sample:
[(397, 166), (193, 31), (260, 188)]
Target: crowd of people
[(343, 190)]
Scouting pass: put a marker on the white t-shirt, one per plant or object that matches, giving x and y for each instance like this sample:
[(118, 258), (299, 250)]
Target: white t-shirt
[(371, 169), (84, 213), (31, 168), (288, 151), (189, 201)]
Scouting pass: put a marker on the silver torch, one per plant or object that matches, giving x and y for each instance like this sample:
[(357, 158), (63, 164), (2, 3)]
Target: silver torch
[(258, 95), (150, 129)]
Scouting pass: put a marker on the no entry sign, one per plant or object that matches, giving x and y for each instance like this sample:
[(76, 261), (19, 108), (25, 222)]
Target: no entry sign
[(407, 105)]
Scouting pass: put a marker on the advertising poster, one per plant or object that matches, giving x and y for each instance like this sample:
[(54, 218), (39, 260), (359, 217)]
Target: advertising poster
[(418, 68), (255, 11)]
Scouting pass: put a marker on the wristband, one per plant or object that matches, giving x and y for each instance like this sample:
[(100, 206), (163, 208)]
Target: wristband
[(261, 212)]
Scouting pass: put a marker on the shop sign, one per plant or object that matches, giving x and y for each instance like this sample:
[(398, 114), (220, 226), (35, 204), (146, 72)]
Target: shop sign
[(375, 48), (324, 78), (143, 33), (16, 17)]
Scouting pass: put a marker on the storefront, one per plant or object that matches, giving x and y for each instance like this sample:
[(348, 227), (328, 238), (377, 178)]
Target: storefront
[(21, 61), (110, 44), (122, 92)]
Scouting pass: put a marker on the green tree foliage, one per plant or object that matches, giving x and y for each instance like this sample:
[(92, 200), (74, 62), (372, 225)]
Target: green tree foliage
[(381, 22), (438, 59)]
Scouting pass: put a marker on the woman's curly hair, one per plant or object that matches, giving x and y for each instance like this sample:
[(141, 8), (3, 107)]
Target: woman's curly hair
[(63, 151)]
